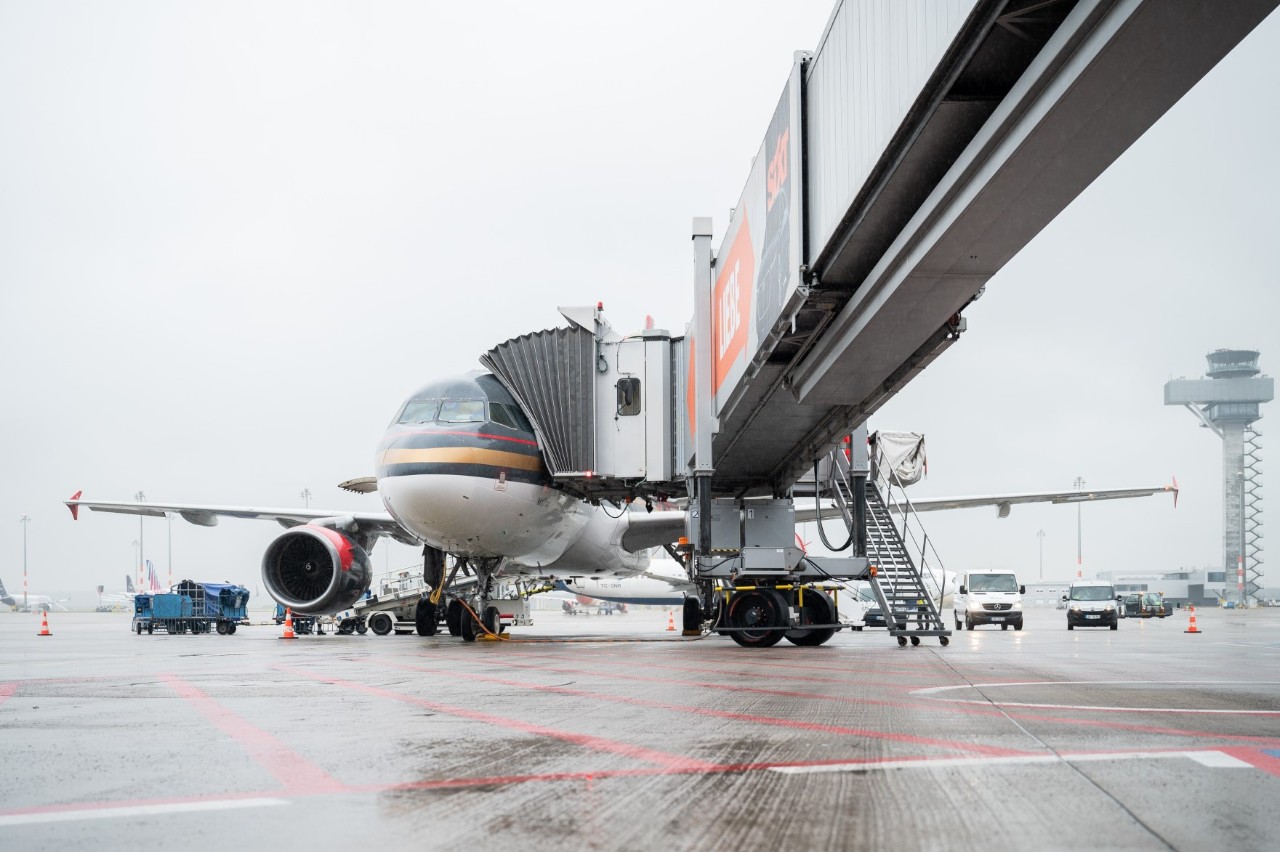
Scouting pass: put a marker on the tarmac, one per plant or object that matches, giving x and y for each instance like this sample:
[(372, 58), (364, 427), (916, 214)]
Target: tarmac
[(612, 733)]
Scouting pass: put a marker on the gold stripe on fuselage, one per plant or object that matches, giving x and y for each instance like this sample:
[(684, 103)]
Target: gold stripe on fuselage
[(460, 455)]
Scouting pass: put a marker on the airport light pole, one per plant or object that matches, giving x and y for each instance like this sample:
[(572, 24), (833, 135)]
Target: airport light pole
[(1079, 483), (24, 520), (305, 494), (142, 553), (138, 588), (1040, 535), (168, 519)]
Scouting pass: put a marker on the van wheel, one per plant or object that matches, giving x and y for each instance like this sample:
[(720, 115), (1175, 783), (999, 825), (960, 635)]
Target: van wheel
[(958, 625), (1004, 627), (1018, 626), (1115, 626), (1071, 627)]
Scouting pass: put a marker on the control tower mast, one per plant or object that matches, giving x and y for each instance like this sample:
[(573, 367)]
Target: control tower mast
[(1226, 400)]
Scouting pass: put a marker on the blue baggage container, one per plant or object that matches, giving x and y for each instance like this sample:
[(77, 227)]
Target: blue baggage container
[(170, 606)]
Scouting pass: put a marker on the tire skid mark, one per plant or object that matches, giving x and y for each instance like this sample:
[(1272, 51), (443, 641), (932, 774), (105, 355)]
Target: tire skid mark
[(725, 714), (672, 761)]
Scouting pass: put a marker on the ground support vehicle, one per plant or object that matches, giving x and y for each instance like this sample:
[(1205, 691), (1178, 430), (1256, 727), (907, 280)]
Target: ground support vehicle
[(1092, 603), (989, 597), (191, 608)]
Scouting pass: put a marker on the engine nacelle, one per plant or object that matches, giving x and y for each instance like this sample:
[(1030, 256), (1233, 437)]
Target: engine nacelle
[(316, 570)]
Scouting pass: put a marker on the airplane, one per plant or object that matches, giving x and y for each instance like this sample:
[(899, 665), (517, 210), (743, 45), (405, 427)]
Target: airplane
[(112, 600), (30, 602), (460, 472)]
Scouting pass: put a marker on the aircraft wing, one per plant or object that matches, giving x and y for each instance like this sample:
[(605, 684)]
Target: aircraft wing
[(372, 523), (659, 528), (1003, 502)]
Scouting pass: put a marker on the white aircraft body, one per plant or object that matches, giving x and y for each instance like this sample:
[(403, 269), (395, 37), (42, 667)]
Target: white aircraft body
[(460, 471), (30, 601), (118, 599)]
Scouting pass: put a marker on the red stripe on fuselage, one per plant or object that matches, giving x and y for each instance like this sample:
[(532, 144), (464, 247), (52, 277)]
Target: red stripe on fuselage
[(525, 441)]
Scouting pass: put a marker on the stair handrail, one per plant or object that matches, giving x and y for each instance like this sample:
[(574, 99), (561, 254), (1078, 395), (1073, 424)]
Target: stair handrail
[(911, 529)]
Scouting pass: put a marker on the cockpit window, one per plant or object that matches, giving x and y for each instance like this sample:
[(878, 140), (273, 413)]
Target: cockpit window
[(462, 411), (419, 411), (509, 416)]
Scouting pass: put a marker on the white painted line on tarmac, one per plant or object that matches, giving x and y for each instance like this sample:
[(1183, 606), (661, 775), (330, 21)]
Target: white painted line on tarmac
[(932, 692), (135, 811), (1211, 759)]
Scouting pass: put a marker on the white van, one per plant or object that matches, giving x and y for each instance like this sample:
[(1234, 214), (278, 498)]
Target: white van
[(1092, 603), (989, 597)]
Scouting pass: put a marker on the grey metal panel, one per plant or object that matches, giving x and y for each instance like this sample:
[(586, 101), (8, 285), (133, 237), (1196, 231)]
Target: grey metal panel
[(1193, 391), (552, 375), (872, 63)]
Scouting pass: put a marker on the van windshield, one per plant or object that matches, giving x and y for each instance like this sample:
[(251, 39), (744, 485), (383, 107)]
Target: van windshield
[(1091, 593), (993, 583)]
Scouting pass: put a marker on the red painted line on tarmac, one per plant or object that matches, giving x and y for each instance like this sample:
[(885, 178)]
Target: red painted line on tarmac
[(722, 656), (728, 714), (671, 761), (759, 690), (7, 690), (747, 673), (296, 773)]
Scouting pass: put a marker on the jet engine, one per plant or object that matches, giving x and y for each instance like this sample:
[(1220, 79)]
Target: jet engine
[(316, 570)]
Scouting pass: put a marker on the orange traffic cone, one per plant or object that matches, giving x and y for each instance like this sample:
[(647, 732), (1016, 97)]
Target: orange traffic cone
[(1192, 627), (288, 625), (44, 624), (671, 620)]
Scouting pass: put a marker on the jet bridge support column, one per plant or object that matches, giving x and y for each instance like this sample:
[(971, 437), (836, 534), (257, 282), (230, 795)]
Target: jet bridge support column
[(703, 415)]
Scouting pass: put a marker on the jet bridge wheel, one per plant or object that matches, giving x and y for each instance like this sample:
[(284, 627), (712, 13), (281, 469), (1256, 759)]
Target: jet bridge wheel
[(817, 609), (424, 617), (761, 616)]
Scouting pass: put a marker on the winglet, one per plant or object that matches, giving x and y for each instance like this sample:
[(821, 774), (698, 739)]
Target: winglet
[(74, 506), (1174, 489)]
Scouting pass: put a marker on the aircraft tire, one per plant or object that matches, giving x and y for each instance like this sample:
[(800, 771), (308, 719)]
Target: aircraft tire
[(467, 626), (424, 618), (492, 620), (763, 612), (453, 617)]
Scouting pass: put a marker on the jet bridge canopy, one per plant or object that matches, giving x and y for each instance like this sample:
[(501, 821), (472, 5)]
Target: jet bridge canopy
[(909, 157)]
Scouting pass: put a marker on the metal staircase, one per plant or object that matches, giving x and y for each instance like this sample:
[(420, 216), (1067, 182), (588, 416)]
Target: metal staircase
[(907, 577)]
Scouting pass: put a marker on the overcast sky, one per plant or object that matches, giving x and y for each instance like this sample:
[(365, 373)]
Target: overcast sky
[(234, 236)]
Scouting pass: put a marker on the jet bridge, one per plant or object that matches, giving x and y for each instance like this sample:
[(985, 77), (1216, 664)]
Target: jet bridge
[(915, 151)]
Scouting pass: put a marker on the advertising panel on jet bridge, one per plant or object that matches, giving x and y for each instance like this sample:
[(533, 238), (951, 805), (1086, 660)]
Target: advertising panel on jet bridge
[(757, 267)]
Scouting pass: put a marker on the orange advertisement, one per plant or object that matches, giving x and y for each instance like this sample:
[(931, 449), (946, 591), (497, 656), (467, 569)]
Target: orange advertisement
[(731, 305)]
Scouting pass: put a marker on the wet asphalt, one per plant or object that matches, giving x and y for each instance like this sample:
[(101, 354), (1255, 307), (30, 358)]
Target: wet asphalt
[(612, 733)]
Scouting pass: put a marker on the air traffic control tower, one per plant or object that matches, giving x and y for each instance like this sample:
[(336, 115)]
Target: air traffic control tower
[(1226, 400)]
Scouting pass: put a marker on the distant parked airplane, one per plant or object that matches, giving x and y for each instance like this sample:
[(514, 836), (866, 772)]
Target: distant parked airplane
[(29, 601)]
